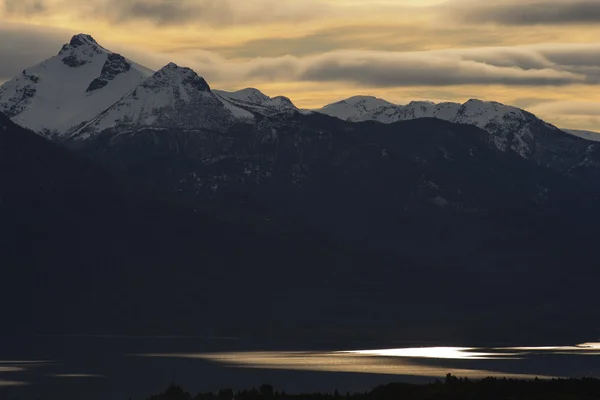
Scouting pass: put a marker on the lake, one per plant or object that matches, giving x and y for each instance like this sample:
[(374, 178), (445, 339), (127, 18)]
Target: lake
[(104, 367)]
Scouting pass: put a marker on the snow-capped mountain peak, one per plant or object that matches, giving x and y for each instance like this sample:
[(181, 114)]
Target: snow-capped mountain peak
[(172, 74), (480, 113), (62, 92), (83, 39), (362, 108), (80, 51)]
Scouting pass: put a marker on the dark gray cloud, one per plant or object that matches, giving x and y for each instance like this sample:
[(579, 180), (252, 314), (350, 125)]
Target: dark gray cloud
[(216, 13), (512, 66), (24, 46), (24, 6), (572, 108), (315, 43), (435, 68), (167, 12), (388, 37), (546, 12)]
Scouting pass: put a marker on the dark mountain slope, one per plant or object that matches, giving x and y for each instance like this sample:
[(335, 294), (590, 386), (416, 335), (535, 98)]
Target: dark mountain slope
[(359, 180), (84, 252), (482, 235)]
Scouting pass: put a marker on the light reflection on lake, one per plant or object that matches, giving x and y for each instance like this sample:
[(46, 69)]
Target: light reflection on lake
[(135, 367), (454, 353), (401, 361), (379, 360), (353, 362)]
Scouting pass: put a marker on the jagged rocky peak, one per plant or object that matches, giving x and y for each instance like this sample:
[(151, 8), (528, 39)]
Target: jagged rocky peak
[(80, 50), (172, 74), (79, 41), (82, 39)]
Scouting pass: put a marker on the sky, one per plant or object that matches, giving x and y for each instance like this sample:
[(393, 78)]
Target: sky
[(541, 55)]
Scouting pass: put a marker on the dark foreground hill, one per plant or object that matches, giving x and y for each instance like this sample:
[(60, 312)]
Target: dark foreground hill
[(452, 388)]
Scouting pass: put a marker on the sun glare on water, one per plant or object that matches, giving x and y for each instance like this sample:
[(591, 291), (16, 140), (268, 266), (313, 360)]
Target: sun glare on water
[(432, 352)]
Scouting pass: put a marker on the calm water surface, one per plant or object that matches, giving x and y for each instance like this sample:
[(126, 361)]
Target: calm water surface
[(134, 367)]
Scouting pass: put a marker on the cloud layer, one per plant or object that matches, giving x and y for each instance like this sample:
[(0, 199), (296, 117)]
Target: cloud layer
[(24, 6), (524, 13), (216, 13), (543, 65), (435, 68)]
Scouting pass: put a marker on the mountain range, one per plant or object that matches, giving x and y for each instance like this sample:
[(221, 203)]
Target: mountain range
[(86, 82), (322, 216)]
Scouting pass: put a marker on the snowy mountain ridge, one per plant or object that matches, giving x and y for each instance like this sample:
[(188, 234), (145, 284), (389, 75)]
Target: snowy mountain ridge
[(369, 108), (509, 127), (173, 98), (252, 101), (86, 89)]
